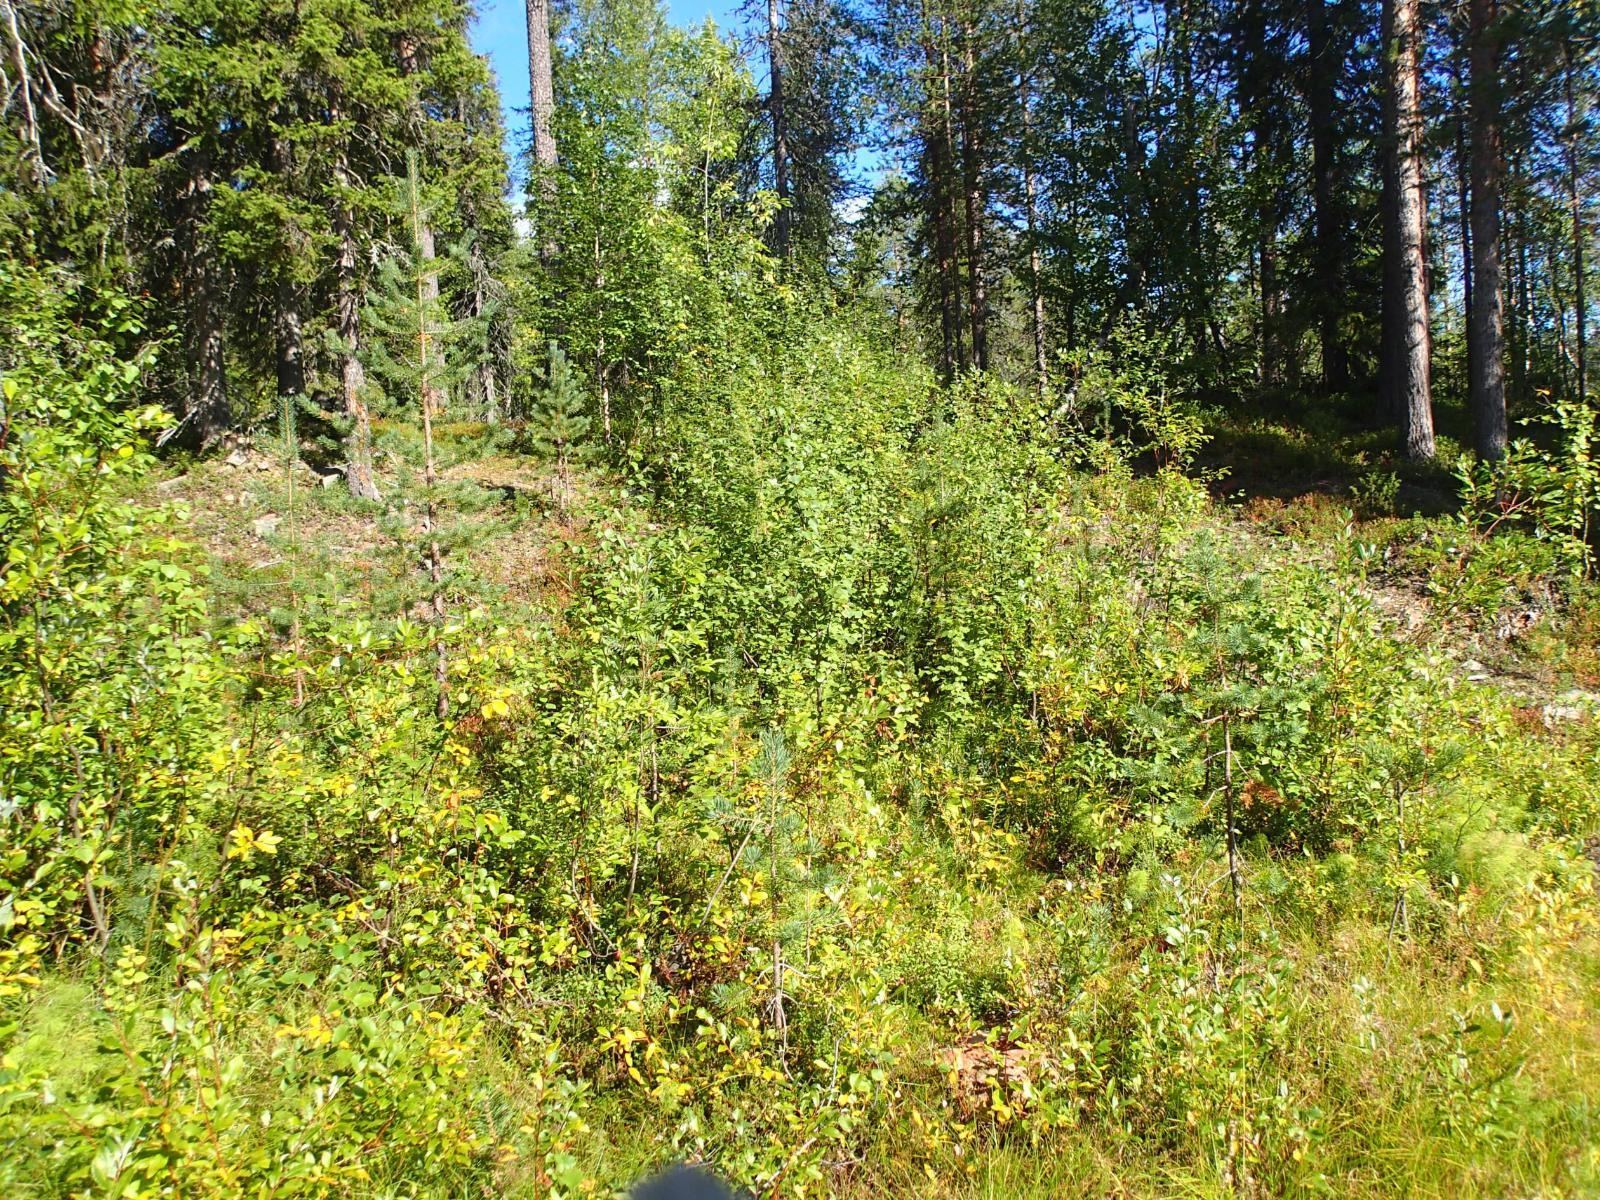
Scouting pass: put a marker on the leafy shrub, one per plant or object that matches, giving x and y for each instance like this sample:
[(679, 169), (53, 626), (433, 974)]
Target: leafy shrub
[(1555, 494)]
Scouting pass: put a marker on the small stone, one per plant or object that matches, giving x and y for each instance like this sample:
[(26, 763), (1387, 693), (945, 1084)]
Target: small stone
[(1562, 712), (237, 459), (265, 527)]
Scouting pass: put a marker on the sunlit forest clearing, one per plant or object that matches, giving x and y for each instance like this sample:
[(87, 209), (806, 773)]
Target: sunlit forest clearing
[(958, 599)]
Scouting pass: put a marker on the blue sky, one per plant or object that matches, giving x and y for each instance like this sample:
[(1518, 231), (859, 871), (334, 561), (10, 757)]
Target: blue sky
[(500, 31)]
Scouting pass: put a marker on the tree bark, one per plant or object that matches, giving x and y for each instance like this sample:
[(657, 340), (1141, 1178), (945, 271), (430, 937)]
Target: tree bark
[(950, 266), (780, 130), (208, 400), (938, 152), (347, 328), (1464, 222), (426, 356), (411, 66), (206, 411), (1409, 368), (1575, 198), (288, 342), (287, 329), (1391, 347), (542, 101), (1030, 201), (1327, 53), (1486, 327), (974, 201)]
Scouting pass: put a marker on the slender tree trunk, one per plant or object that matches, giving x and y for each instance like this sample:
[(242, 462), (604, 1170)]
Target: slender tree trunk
[(287, 332), (1070, 250), (946, 193), (1411, 368), (1525, 304), (487, 383), (1030, 200), (1464, 222), (975, 202), (429, 363), (1565, 356), (944, 255), (430, 531), (1272, 355), (937, 155), (1265, 131), (1575, 198), (1135, 219), (542, 101), (1391, 351), (208, 400), (411, 66), (433, 390), (347, 327), (289, 342), (780, 130), (1327, 64), (207, 406), (1486, 327)]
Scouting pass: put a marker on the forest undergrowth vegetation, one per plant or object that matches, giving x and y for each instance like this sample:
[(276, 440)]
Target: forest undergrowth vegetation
[(862, 785)]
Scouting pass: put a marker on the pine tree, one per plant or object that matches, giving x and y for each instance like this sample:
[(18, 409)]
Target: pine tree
[(558, 425), (417, 353)]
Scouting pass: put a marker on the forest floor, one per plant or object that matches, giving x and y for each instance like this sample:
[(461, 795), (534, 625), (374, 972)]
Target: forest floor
[(1280, 492), (1496, 621)]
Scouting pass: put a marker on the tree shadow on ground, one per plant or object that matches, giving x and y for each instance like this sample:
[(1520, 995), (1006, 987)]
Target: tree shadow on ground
[(1281, 448)]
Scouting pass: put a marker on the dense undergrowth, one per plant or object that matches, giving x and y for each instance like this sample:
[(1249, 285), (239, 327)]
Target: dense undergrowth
[(838, 791)]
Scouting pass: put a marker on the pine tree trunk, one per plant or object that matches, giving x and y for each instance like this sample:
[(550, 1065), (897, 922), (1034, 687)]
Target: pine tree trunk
[(1030, 200), (411, 66), (347, 328), (208, 401), (207, 405), (945, 193), (1135, 219), (1575, 198), (436, 602), (1265, 131), (430, 533), (433, 392), (1409, 370), (1327, 64), (1391, 346), (288, 342), (287, 329), (1525, 302), (780, 131), (542, 101), (944, 256), (974, 202), (1486, 329), (1464, 222), (1271, 312), (935, 131)]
